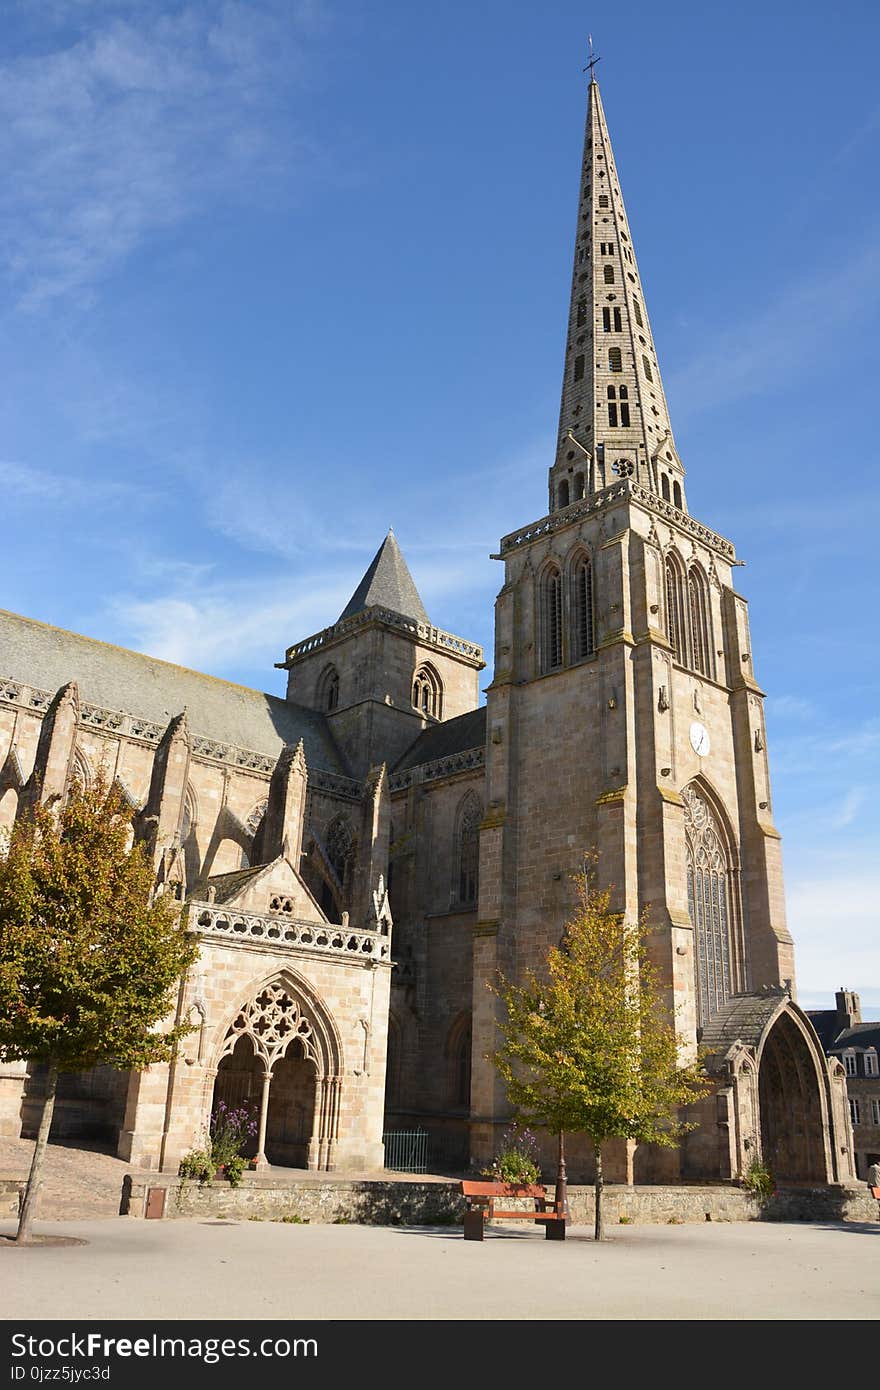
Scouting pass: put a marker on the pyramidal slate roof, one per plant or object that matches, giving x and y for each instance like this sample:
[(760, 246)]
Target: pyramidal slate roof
[(387, 584)]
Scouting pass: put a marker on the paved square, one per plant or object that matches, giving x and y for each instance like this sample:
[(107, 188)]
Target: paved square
[(221, 1271)]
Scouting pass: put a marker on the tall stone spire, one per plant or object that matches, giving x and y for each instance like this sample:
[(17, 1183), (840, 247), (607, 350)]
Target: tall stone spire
[(613, 419)]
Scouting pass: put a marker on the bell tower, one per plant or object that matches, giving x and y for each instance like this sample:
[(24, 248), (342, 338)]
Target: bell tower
[(625, 717)]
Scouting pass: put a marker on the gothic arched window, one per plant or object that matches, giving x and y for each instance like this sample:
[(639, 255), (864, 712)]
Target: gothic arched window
[(458, 1055), (700, 624), (551, 619), (328, 689), (676, 611), (341, 848), (710, 904), (688, 616), (583, 634), (467, 850), (427, 692)]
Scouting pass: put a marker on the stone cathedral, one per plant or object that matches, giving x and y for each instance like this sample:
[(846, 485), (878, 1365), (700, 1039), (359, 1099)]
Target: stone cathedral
[(360, 856)]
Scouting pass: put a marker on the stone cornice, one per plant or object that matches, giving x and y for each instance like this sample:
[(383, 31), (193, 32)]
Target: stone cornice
[(123, 725), (624, 491), (453, 765), (425, 633)]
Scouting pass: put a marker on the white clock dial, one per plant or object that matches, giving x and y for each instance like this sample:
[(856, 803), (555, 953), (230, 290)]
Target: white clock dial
[(699, 739)]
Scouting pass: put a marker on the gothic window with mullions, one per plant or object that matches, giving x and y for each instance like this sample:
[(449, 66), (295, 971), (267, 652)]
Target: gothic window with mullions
[(551, 619), (467, 857), (341, 849), (427, 692), (710, 904), (583, 627), (688, 617)]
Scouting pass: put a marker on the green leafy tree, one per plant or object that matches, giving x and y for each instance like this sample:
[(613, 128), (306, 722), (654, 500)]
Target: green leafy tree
[(89, 961), (588, 1047)]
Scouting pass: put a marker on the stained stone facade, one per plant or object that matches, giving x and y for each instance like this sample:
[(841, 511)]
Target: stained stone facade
[(623, 716)]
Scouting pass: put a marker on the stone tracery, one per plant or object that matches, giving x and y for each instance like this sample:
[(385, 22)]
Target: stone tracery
[(709, 904)]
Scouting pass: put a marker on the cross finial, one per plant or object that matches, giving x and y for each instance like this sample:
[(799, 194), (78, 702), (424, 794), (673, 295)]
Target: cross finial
[(594, 59)]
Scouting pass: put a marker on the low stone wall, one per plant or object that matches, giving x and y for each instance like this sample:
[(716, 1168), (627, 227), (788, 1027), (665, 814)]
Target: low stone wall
[(381, 1202), (368, 1203), (11, 1186), (642, 1206)]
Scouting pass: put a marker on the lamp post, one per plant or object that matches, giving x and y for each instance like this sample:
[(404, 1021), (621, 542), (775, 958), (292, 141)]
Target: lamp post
[(561, 1199)]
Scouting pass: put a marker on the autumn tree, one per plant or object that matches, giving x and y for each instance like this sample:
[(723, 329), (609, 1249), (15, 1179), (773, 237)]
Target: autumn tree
[(588, 1045), (90, 961)]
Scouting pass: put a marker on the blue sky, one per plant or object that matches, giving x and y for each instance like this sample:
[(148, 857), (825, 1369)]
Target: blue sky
[(279, 274)]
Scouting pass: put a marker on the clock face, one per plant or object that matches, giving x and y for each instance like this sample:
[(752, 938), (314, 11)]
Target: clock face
[(699, 738)]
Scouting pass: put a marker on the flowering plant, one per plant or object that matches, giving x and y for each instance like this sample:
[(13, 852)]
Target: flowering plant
[(517, 1159), (229, 1131), (231, 1128)]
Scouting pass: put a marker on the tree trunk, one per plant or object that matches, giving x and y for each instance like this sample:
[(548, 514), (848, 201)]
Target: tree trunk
[(599, 1231), (34, 1176), (561, 1195)]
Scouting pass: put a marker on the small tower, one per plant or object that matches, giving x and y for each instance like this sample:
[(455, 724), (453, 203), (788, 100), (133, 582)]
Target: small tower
[(383, 672)]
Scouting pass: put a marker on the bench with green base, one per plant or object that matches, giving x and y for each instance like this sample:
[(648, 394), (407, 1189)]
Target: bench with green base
[(484, 1201)]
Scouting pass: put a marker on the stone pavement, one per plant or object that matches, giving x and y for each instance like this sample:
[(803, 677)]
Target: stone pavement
[(242, 1270), (78, 1183)]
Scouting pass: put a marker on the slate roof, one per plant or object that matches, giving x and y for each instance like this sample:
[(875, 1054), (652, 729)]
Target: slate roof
[(227, 885), (744, 1017), (36, 654), (442, 740), (387, 584), (836, 1039)]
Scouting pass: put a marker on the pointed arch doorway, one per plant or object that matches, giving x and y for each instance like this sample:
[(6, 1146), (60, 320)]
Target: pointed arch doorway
[(281, 1057), (777, 1096), (791, 1105)]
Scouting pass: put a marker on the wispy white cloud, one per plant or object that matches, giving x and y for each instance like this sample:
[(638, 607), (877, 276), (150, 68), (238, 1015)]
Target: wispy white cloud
[(847, 753), (849, 808), (836, 925), (23, 480), (790, 707), (196, 630), (130, 125), (752, 356)]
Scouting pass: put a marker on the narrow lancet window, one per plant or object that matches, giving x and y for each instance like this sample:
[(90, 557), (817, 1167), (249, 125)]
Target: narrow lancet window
[(582, 608), (551, 619)]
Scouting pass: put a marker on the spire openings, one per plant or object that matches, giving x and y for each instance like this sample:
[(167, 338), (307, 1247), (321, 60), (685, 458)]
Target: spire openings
[(613, 419)]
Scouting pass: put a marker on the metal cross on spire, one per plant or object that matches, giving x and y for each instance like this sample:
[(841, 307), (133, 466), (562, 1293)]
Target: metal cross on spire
[(594, 59)]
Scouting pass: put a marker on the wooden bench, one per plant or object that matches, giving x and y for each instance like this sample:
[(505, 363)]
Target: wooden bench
[(482, 1205)]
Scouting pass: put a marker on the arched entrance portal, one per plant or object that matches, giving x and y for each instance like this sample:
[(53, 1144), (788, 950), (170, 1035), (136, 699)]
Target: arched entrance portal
[(281, 1056), (291, 1113), (239, 1083), (792, 1128)]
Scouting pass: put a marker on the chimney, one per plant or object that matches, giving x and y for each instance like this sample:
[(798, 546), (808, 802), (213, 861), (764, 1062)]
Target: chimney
[(849, 1008)]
